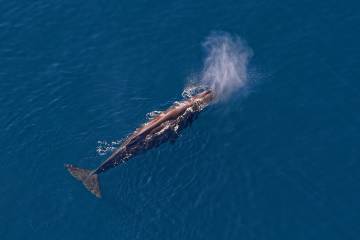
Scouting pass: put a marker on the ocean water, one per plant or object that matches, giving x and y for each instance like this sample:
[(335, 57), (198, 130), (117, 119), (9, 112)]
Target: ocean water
[(280, 160)]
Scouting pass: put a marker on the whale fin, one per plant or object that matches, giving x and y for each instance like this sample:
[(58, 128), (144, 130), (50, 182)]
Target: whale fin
[(87, 177)]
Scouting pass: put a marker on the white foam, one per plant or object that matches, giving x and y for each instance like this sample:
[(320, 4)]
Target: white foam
[(104, 147)]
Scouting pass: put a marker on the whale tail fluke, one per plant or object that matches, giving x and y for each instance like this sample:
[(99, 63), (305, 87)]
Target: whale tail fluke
[(87, 177)]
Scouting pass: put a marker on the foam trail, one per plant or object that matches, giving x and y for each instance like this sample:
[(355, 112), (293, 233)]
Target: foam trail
[(225, 66), (104, 147)]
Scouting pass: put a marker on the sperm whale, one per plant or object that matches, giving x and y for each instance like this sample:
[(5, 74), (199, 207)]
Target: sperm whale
[(166, 126)]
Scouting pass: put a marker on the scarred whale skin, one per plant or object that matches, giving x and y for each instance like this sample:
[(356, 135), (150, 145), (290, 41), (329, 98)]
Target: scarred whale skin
[(164, 127)]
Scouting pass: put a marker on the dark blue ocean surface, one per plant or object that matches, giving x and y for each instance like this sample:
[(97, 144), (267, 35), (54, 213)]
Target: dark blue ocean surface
[(279, 162)]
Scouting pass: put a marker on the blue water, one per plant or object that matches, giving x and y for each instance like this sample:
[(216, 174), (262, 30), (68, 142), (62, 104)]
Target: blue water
[(279, 162)]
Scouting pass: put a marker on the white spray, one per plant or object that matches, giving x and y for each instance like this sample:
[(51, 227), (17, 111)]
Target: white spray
[(225, 68)]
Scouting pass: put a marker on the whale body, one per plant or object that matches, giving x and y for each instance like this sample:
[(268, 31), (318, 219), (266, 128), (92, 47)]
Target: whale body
[(166, 126)]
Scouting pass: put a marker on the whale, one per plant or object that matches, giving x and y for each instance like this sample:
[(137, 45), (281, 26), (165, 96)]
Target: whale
[(164, 127)]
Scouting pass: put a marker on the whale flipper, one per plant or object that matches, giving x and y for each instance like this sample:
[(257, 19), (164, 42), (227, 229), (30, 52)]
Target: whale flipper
[(87, 177)]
